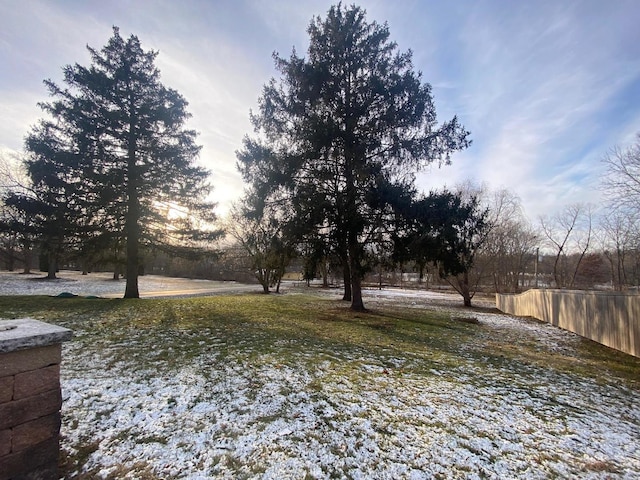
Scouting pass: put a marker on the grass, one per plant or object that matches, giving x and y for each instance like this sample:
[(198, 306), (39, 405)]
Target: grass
[(286, 324), (271, 321), (303, 332)]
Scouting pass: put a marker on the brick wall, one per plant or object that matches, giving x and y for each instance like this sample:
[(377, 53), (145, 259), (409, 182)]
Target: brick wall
[(30, 399), (30, 404)]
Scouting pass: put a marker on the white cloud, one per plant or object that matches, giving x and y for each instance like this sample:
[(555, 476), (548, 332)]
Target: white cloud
[(540, 85), (18, 112), (536, 82)]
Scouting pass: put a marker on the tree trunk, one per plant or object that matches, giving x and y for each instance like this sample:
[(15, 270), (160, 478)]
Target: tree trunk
[(356, 289), (465, 290), (346, 274), (356, 276), (264, 278), (622, 276), (325, 274), (10, 260), (52, 267), (467, 300), (131, 288), (555, 270), (132, 217), (27, 260)]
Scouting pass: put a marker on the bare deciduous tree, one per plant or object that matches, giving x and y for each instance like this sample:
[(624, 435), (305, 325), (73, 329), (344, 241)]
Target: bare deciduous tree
[(620, 228), (511, 243), (619, 233), (262, 240), (569, 231), (16, 240), (621, 182)]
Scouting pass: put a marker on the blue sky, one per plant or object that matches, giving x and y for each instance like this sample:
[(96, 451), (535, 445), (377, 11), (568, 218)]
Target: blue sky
[(545, 87)]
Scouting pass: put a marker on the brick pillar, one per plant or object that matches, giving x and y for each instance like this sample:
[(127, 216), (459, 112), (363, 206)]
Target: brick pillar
[(30, 399)]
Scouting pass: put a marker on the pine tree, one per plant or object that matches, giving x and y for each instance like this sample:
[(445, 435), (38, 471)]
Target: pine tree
[(55, 202), (348, 122), (130, 153)]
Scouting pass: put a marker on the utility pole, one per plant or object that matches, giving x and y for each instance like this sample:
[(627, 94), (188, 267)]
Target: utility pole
[(536, 266)]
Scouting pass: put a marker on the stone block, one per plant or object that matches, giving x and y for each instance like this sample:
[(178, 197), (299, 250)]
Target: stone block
[(6, 389), (45, 472), (27, 333), (34, 432), (27, 409), (20, 361), (27, 384), (38, 462), (30, 399), (5, 442)]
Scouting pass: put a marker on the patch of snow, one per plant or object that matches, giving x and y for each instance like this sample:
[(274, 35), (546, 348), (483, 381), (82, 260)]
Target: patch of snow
[(226, 413), (102, 284), (225, 416)]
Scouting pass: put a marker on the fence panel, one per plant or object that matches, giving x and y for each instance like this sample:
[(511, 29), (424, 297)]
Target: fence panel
[(612, 319)]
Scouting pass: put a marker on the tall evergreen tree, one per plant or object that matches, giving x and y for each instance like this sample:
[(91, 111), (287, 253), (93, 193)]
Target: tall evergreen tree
[(124, 134), (18, 229), (461, 237), (56, 202), (446, 229), (350, 120)]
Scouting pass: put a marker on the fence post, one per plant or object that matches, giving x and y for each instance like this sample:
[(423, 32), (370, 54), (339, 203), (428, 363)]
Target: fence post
[(30, 398)]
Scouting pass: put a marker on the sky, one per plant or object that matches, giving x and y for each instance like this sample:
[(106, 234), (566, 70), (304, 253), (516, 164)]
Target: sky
[(545, 87)]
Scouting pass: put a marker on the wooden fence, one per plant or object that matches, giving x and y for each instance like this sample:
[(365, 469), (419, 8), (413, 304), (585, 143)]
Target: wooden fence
[(612, 319)]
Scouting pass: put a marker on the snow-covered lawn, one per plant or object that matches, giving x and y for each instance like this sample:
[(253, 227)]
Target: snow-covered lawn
[(102, 284), (418, 398)]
